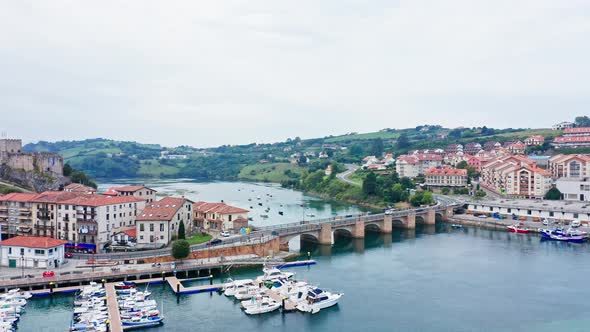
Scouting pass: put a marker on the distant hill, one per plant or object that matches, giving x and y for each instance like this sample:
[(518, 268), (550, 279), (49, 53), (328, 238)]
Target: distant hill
[(104, 158)]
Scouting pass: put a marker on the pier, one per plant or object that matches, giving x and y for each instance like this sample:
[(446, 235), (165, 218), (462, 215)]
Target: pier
[(113, 307)]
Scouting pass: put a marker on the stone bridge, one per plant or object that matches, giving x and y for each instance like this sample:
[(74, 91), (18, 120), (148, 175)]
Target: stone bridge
[(323, 230)]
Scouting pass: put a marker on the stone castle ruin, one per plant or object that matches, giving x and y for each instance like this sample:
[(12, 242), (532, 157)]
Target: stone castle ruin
[(38, 171)]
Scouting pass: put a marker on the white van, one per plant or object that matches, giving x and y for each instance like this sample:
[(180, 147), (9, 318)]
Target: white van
[(575, 223)]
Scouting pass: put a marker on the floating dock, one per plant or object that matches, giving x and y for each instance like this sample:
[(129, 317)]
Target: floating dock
[(113, 307)]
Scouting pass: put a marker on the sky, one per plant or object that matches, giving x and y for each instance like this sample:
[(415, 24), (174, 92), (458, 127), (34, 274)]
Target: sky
[(207, 73)]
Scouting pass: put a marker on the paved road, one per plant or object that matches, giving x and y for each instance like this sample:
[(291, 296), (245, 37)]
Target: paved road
[(344, 175)]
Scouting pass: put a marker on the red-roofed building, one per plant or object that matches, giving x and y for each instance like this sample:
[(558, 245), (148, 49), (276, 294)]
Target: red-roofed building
[(218, 217), (127, 237), (158, 223), (88, 222), (79, 189), (534, 140), (143, 192), (32, 252), (515, 176), (44, 209), (413, 165), (516, 147), (16, 214), (446, 177), (573, 138)]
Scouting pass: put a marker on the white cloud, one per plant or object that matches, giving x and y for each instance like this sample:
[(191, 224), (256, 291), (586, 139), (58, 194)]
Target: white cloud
[(227, 72)]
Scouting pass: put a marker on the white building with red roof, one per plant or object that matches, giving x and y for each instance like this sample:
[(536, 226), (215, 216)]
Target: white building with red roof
[(32, 252), (16, 214), (415, 164), (79, 189), (127, 237), (158, 223), (515, 176), (573, 138), (143, 192), (534, 140), (446, 177), (88, 222), (218, 217)]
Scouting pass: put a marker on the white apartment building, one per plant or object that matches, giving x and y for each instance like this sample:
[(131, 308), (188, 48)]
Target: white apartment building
[(89, 221), (142, 192), (446, 177), (32, 252), (158, 223), (415, 164)]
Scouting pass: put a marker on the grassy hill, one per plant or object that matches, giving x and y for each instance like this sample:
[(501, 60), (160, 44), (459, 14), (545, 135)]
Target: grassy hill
[(274, 172)]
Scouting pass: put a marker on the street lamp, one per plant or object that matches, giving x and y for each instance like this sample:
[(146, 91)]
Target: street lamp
[(22, 264)]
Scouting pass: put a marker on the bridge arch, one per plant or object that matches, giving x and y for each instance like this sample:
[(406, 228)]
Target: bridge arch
[(373, 227), (398, 223), (439, 217), (342, 233), (420, 220), (306, 237)]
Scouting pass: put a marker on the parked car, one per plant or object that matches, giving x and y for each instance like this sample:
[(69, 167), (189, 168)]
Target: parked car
[(215, 242), (576, 223), (48, 274), (482, 216), (68, 255), (545, 222), (225, 234)]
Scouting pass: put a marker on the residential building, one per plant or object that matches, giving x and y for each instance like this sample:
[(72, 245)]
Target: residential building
[(32, 252), (534, 140), (472, 148), (563, 125), (569, 166), (45, 210), (454, 159), (454, 148), (142, 192), (491, 145), (127, 237), (217, 217), (79, 189), (446, 177), (573, 138), (158, 223), (88, 222), (516, 147), (416, 164), (16, 214), (515, 176)]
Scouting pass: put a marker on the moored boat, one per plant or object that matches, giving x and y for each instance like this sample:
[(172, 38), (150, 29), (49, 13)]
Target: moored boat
[(518, 229), (318, 299)]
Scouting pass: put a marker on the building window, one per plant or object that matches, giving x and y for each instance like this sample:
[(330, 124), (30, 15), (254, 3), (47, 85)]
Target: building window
[(551, 213), (10, 250), (151, 227), (529, 212), (576, 216), (22, 251), (141, 227), (39, 252), (161, 227)]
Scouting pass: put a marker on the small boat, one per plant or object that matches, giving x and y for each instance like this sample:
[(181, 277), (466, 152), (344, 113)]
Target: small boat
[(140, 322), (559, 235), (318, 299), (124, 285), (264, 306), (230, 288), (16, 293), (259, 204), (273, 274), (518, 229), (281, 213), (311, 215), (248, 293), (264, 216), (456, 226)]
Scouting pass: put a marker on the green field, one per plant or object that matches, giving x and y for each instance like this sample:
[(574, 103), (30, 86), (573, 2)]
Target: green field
[(365, 136), (153, 168), (199, 238), (530, 132), (269, 172)]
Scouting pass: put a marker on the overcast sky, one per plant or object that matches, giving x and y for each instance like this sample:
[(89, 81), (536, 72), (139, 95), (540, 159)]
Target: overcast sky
[(206, 73)]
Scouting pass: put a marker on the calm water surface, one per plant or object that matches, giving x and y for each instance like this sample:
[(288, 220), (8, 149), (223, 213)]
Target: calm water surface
[(431, 279)]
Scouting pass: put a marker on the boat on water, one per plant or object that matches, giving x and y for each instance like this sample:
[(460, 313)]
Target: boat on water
[(318, 299), (248, 292), (456, 226), (263, 306), (560, 235), (124, 285), (141, 322), (16, 294), (264, 216), (271, 274), (519, 229), (230, 288)]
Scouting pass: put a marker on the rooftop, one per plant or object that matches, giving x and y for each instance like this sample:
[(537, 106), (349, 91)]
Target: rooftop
[(220, 208), (33, 242), (162, 210), (101, 200)]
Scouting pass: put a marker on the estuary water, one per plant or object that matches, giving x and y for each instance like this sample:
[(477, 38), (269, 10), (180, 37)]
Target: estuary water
[(430, 279)]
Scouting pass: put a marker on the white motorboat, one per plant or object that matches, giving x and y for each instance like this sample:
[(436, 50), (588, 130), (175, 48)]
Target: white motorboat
[(138, 304), (272, 274), (264, 306), (248, 292), (16, 293), (13, 302), (230, 288), (318, 299)]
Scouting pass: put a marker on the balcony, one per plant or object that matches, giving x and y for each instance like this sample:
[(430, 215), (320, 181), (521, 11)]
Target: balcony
[(84, 231), (44, 227), (86, 213), (88, 221)]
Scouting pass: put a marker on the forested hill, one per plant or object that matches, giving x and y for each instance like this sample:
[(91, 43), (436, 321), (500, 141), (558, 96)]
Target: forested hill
[(104, 158)]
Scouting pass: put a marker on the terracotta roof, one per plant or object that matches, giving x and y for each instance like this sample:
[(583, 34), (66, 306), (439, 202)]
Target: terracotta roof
[(132, 232), (572, 139), (164, 209), (220, 208), (101, 200), (18, 197), (77, 187), (54, 196), (130, 188), (579, 130), (33, 242)]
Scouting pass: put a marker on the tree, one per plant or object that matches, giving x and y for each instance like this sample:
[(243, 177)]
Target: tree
[(553, 194), (67, 171), (181, 234), (377, 147), (582, 121), (370, 184), (356, 150), (181, 249), (403, 142), (445, 191)]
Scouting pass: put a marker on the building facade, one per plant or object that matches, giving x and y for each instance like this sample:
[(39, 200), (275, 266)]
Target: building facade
[(32, 252), (142, 192), (573, 166), (573, 138), (157, 225), (16, 214), (515, 176), (416, 164), (446, 177), (218, 217)]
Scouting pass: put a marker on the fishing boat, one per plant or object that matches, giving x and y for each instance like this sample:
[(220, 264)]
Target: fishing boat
[(318, 299), (559, 235), (518, 229), (141, 322)]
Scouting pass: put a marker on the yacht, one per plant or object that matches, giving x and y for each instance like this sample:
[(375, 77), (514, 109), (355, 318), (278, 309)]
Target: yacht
[(272, 274), (230, 288), (248, 292), (318, 299), (265, 305)]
